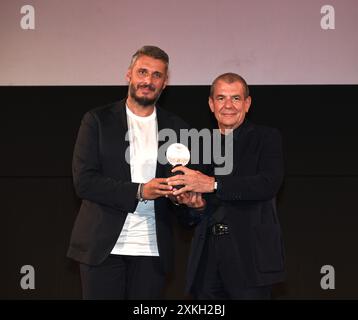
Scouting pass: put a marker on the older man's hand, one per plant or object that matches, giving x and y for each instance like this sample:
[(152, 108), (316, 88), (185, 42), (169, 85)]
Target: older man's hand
[(193, 181)]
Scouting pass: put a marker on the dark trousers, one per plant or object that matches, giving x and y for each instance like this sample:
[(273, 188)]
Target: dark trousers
[(123, 277), (218, 276)]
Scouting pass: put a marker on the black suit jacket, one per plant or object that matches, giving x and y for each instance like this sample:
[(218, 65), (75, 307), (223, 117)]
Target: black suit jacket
[(102, 179), (247, 197)]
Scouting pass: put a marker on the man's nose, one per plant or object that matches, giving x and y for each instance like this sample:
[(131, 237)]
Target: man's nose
[(148, 79), (228, 103)]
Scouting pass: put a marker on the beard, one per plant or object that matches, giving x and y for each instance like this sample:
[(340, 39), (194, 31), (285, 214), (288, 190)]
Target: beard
[(143, 101)]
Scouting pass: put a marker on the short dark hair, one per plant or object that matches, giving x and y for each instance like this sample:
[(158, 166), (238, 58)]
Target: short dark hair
[(230, 77), (151, 51)]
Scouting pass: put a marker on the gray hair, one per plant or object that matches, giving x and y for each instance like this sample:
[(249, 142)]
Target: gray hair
[(153, 52), (230, 77)]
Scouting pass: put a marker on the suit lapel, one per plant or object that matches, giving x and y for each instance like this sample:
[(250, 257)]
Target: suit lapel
[(120, 129), (163, 123), (241, 137), (241, 144), (119, 111)]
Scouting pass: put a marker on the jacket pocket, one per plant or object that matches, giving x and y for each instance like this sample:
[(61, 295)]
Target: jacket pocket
[(268, 248)]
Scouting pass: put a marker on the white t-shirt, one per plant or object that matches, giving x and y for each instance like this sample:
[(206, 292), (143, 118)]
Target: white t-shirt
[(138, 236)]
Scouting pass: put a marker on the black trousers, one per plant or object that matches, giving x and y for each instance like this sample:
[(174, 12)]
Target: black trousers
[(218, 277), (123, 277)]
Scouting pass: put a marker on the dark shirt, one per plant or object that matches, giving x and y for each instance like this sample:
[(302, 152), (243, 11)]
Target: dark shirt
[(218, 212)]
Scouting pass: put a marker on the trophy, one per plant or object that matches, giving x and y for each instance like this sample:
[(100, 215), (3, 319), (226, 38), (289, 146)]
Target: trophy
[(178, 155)]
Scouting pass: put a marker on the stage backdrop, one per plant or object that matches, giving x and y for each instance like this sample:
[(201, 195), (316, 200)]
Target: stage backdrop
[(59, 59), (88, 42)]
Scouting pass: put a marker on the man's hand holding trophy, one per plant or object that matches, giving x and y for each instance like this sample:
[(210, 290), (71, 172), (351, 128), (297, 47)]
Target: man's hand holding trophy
[(178, 156)]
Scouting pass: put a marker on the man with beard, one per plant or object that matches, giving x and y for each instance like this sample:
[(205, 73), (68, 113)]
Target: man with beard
[(122, 236)]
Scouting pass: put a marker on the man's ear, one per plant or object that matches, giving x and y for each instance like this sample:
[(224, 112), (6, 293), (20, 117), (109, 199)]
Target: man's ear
[(247, 104), (128, 75), (211, 104), (166, 81)]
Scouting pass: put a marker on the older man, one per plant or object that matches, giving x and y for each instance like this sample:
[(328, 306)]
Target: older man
[(237, 250)]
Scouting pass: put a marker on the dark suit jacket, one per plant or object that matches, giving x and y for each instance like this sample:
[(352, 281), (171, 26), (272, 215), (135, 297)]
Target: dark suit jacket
[(247, 196), (102, 180)]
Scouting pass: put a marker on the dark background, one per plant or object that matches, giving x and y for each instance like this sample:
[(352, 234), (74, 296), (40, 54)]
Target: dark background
[(317, 202)]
